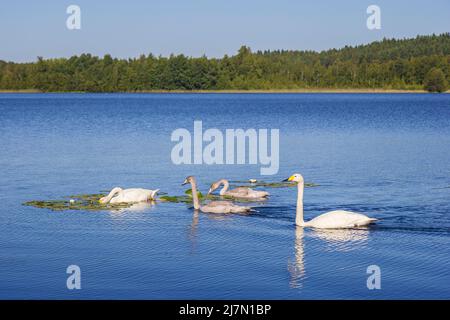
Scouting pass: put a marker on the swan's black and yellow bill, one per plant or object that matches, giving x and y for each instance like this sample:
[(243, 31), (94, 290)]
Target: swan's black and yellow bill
[(188, 179), (289, 179)]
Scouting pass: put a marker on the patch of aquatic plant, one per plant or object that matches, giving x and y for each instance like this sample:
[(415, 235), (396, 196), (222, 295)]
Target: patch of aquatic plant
[(277, 184), (187, 197), (87, 202), (87, 197), (175, 199), (189, 193)]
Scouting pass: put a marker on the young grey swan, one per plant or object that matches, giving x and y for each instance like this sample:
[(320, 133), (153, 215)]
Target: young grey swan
[(240, 192), (119, 195), (213, 206), (331, 220)]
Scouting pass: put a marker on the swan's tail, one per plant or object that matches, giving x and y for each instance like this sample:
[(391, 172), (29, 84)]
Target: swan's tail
[(153, 195), (366, 222)]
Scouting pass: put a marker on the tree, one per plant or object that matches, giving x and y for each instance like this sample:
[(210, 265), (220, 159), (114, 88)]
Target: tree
[(396, 64), (435, 81)]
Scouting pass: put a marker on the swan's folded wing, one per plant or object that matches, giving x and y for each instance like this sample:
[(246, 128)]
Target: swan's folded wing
[(339, 219), (219, 203), (240, 191)]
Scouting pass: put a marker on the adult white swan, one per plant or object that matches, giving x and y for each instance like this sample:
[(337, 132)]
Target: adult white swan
[(239, 192), (331, 220), (213, 206), (119, 195)]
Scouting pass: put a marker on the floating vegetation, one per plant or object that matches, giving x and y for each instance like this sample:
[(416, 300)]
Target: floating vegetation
[(87, 202), (189, 193), (175, 199), (187, 197)]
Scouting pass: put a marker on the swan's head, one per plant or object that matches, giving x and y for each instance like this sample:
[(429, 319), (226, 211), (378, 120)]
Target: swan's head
[(296, 177), (102, 200), (214, 186), (189, 179), (153, 195)]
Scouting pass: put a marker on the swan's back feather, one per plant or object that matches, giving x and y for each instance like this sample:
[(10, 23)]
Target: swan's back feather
[(134, 195), (245, 192), (219, 203), (339, 219), (224, 207)]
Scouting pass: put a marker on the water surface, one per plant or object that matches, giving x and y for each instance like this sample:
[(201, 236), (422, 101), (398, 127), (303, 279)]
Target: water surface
[(385, 155)]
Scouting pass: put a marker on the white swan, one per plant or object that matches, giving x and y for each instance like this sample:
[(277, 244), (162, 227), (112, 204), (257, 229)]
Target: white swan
[(119, 195), (213, 206), (331, 220), (240, 192)]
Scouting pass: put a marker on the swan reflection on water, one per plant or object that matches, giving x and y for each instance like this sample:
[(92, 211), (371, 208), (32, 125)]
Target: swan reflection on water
[(193, 227), (343, 240), (296, 268), (136, 207), (337, 240)]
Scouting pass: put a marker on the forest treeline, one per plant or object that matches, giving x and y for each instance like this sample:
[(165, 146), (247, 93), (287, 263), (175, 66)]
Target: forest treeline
[(386, 64)]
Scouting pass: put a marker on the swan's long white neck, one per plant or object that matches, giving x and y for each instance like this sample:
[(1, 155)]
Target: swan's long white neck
[(195, 194), (226, 185), (112, 194), (299, 214)]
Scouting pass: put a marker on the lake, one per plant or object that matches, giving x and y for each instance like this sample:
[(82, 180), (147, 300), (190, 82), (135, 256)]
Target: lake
[(384, 155)]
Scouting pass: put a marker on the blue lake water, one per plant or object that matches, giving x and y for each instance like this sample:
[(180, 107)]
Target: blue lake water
[(384, 155)]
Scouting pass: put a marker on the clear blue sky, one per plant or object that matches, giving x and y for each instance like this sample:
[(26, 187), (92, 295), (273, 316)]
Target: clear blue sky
[(213, 27)]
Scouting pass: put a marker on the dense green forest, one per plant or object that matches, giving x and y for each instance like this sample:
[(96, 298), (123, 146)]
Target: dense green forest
[(386, 64)]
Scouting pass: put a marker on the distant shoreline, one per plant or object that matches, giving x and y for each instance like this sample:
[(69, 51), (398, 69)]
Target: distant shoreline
[(408, 65), (324, 90)]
